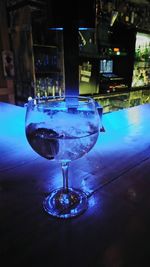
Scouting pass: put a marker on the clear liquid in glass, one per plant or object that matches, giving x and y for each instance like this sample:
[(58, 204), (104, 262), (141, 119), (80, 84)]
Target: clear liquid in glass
[(61, 147)]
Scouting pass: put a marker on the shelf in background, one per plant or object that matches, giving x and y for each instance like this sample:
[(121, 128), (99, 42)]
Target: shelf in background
[(44, 46)]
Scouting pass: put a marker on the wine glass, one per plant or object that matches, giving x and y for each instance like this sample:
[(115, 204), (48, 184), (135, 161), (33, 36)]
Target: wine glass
[(63, 129)]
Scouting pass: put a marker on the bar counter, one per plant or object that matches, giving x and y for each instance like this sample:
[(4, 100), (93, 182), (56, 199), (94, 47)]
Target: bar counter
[(115, 229)]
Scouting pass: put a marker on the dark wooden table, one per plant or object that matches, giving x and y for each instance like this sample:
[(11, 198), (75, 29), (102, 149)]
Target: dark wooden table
[(115, 229)]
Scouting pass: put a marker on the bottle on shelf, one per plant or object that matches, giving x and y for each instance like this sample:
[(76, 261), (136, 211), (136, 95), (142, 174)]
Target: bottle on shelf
[(132, 16)]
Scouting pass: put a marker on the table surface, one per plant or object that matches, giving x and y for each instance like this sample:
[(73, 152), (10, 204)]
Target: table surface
[(115, 229)]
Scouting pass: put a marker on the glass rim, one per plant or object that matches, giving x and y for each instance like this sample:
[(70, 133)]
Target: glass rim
[(38, 100)]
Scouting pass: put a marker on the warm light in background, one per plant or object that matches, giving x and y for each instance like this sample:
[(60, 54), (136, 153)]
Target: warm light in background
[(116, 49)]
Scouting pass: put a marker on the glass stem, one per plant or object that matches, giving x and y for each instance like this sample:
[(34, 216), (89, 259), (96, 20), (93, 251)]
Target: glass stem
[(65, 166)]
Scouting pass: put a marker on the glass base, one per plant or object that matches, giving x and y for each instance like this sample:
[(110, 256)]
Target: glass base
[(64, 203)]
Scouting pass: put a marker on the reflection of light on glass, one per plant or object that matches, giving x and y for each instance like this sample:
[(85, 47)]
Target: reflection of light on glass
[(113, 17), (133, 116)]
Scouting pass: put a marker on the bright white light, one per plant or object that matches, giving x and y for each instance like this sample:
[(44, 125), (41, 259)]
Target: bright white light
[(142, 39)]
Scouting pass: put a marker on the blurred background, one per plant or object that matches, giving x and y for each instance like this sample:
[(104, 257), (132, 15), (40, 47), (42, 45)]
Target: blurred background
[(112, 44)]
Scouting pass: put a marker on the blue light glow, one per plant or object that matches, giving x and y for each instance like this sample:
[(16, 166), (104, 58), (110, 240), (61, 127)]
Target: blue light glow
[(61, 29), (84, 29), (56, 29), (12, 137), (124, 131), (134, 118)]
